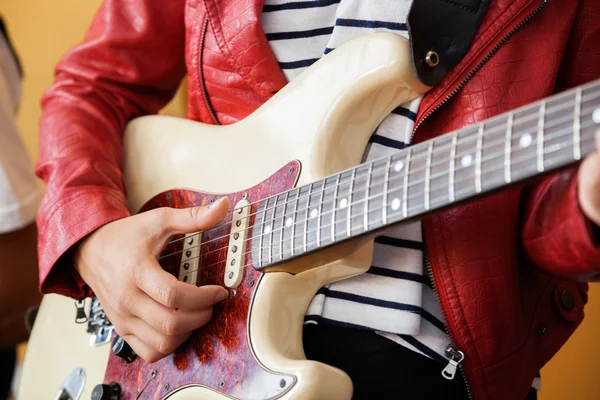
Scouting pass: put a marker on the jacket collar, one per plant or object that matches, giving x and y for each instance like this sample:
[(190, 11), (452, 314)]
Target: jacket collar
[(239, 34), (501, 18)]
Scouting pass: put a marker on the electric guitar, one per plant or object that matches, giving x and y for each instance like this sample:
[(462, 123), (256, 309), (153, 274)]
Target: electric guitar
[(304, 214)]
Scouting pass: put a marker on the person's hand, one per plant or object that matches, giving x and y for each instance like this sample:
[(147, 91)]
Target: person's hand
[(150, 309), (589, 184)]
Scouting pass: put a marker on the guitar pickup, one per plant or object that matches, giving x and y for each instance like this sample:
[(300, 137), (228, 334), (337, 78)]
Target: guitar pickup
[(238, 238), (190, 258)]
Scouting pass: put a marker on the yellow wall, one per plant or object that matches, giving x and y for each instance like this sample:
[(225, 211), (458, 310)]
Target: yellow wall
[(44, 29)]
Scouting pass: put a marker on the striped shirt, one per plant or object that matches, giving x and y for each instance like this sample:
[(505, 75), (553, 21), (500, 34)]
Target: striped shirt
[(19, 193), (395, 297)]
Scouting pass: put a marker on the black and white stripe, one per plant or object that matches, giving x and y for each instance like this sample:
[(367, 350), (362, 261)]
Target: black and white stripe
[(395, 298), (390, 297)]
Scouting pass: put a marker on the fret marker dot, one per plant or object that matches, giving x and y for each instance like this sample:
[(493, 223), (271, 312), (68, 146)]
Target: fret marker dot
[(343, 203), (267, 229), (396, 204), (525, 140), (466, 160), (289, 221), (313, 213), (398, 166), (596, 116)]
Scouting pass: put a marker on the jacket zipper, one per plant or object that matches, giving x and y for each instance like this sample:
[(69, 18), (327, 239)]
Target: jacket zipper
[(211, 110), (453, 353)]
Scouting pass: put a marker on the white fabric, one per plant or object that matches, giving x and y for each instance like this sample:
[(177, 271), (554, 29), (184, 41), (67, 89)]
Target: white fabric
[(301, 32), (19, 193)]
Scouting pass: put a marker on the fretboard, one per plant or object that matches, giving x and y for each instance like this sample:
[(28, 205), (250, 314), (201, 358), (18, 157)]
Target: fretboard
[(510, 148)]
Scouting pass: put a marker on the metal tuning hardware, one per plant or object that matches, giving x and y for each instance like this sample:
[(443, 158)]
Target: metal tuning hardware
[(240, 221), (72, 388), (190, 258), (99, 326)]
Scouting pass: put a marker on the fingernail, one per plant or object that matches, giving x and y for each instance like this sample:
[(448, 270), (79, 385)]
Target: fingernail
[(216, 203), (222, 296)]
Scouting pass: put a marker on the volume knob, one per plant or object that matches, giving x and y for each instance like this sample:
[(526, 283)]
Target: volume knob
[(112, 391), (121, 349)]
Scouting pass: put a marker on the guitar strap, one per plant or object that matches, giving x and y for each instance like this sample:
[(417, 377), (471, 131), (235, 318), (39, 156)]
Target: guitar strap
[(441, 33)]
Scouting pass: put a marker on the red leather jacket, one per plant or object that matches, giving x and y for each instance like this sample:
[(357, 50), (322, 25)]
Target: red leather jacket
[(505, 266)]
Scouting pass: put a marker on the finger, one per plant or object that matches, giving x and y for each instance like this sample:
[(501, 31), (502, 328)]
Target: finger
[(163, 344), (172, 293), (193, 219), (142, 349), (168, 321), (589, 186)]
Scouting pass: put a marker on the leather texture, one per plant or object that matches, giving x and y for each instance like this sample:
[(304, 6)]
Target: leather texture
[(500, 264), (447, 32)]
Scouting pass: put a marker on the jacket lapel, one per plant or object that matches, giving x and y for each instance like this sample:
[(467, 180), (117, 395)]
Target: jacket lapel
[(239, 34)]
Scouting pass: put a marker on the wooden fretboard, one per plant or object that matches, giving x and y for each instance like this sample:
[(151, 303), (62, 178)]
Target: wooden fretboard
[(457, 166)]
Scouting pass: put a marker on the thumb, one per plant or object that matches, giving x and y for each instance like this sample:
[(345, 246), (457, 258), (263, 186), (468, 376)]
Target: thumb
[(193, 219)]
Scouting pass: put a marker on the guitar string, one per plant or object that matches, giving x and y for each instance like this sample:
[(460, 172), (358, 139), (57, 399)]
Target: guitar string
[(418, 195), (249, 261), (584, 142), (375, 182), (469, 137)]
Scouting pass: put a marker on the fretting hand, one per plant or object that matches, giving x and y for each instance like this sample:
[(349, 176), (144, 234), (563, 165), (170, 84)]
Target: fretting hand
[(589, 184), (149, 308)]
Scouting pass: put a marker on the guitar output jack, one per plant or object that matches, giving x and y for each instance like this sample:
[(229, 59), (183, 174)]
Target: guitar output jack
[(432, 59)]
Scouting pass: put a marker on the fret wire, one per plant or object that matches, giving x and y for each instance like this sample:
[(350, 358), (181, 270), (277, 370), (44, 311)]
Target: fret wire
[(464, 191), (508, 149), (349, 220), (478, 159), (295, 220), (262, 231), (310, 188), (577, 126), (366, 216), (405, 194), (335, 195), (540, 141), (287, 195), (385, 190), (319, 214), (428, 174), (272, 229), (452, 166)]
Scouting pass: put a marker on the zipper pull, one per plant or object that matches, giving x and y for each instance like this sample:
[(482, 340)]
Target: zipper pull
[(455, 358), (80, 317)]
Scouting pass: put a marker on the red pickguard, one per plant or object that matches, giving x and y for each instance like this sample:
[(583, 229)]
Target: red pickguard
[(218, 355)]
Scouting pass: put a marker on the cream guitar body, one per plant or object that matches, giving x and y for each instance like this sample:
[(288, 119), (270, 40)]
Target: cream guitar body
[(318, 125)]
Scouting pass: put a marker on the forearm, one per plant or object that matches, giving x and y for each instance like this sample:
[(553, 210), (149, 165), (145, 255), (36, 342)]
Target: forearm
[(130, 64)]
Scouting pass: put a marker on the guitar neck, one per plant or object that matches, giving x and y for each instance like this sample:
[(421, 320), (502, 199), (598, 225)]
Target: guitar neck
[(458, 166)]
